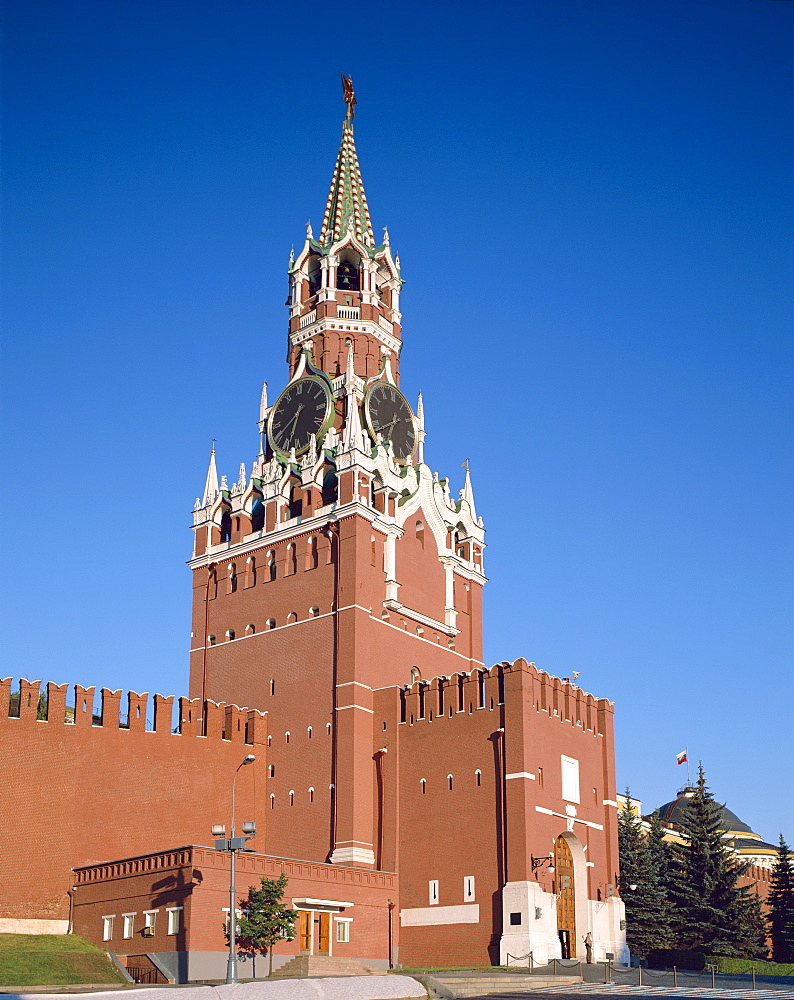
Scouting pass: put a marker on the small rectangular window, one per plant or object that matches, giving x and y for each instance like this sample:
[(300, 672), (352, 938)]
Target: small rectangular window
[(174, 919), (468, 888), (343, 931), (107, 928), (149, 918), (432, 891), (515, 919), (129, 923), (570, 779)]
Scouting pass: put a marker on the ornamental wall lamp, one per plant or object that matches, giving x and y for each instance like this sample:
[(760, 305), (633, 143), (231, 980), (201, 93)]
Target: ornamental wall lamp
[(540, 862)]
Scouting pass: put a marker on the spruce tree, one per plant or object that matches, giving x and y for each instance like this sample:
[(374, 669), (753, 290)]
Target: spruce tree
[(642, 882), (266, 919), (781, 904), (711, 912)]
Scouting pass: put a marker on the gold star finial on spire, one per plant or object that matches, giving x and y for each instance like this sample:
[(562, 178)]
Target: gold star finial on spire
[(349, 97)]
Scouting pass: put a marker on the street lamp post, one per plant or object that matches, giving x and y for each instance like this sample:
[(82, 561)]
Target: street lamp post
[(233, 845)]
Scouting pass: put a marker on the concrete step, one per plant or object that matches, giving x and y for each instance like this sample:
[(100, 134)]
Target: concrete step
[(310, 966), (476, 984)]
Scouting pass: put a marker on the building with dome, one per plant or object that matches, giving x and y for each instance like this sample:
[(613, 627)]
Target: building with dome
[(738, 836)]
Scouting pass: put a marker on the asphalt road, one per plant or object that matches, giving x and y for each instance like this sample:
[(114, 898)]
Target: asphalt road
[(662, 988)]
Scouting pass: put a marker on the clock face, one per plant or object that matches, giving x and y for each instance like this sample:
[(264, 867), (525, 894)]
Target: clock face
[(388, 414), (300, 411)]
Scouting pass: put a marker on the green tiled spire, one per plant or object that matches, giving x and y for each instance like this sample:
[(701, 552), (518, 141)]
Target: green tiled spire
[(346, 199)]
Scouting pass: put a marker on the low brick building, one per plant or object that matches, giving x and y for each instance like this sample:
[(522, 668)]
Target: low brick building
[(174, 905)]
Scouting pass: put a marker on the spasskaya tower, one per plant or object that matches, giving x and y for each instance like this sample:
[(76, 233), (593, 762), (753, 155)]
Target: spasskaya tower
[(339, 569)]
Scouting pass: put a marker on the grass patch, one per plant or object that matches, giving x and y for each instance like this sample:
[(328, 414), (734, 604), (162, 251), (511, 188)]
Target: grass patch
[(53, 960), (744, 966)]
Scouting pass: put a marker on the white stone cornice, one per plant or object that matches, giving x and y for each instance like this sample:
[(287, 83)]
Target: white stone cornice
[(419, 618), (338, 325)]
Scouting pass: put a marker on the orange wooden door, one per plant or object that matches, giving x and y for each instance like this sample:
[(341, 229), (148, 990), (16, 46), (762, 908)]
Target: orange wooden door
[(305, 931), (325, 933), (566, 898)]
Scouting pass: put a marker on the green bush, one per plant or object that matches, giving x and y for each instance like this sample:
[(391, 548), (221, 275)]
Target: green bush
[(743, 966)]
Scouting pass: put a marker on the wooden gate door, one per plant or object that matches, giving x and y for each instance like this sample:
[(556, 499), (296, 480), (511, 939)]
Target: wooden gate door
[(566, 898), (305, 931), (325, 933)]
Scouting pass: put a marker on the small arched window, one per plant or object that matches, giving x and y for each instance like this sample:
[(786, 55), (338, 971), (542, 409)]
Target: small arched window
[(311, 795), (478, 777), (309, 732), (272, 771), (328, 729), (250, 629), (423, 785), (271, 565), (231, 634), (292, 616), (291, 564), (420, 533), (314, 611), (250, 571), (226, 526), (415, 675), (286, 737), (272, 800), (211, 640), (271, 623), (312, 555), (232, 578), (292, 797), (272, 686), (449, 781)]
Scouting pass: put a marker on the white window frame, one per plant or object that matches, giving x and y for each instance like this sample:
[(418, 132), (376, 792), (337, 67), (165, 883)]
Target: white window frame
[(129, 925), (432, 891), (107, 926), (570, 778), (150, 918), (343, 929), (174, 919), (468, 889)]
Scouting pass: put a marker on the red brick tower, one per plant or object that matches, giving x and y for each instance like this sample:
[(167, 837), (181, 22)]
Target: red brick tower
[(341, 566)]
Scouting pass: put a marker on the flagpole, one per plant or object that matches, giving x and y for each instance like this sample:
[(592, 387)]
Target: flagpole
[(688, 777)]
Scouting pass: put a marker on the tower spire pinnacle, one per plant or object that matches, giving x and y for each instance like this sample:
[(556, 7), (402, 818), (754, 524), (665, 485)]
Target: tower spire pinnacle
[(347, 207), (467, 493), (211, 484)]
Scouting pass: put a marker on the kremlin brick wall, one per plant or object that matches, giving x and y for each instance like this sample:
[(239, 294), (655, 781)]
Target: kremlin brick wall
[(89, 784)]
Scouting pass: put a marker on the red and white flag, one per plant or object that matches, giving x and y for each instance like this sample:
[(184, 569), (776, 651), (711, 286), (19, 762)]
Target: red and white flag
[(680, 758)]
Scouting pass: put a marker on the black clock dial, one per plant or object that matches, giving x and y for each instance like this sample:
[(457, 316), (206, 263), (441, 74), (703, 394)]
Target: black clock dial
[(300, 411), (389, 415)]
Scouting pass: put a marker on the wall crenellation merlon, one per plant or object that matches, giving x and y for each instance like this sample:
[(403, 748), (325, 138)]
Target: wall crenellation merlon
[(35, 702), (467, 691)]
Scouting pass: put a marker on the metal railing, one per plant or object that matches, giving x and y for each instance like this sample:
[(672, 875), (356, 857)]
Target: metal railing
[(147, 977)]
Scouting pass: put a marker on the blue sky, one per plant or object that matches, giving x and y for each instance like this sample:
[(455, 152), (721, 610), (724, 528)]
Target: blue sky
[(591, 202)]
